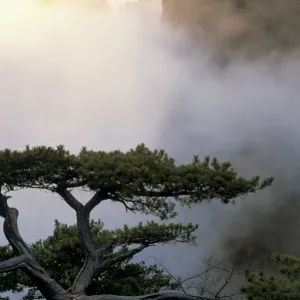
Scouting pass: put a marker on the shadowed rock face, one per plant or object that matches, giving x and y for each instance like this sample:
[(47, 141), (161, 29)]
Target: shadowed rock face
[(245, 28), (240, 32)]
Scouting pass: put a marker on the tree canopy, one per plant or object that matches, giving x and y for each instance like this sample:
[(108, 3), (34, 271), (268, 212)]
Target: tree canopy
[(61, 255), (142, 180), (283, 286)]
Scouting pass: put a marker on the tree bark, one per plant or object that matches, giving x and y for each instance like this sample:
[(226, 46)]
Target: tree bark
[(25, 260), (48, 287), (93, 264), (157, 296), (12, 264), (92, 255)]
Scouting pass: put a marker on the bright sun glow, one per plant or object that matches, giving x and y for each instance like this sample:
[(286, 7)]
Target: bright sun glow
[(119, 3), (9, 4), (115, 3), (13, 10)]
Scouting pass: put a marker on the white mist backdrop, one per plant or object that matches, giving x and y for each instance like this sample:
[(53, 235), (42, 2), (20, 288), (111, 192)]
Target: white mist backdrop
[(110, 80)]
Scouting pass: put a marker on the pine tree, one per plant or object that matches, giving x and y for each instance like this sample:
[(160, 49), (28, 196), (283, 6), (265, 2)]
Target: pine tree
[(143, 181), (283, 286), (61, 255)]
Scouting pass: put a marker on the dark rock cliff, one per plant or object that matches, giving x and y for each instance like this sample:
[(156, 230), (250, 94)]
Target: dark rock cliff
[(251, 28)]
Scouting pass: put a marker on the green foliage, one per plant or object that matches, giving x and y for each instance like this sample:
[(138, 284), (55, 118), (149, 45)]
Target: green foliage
[(8, 283), (132, 280), (285, 286), (61, 255), (142, 180)]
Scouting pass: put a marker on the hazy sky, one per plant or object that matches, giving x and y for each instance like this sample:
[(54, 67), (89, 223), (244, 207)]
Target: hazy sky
[(119, 3), (79, 78), (73, 76)]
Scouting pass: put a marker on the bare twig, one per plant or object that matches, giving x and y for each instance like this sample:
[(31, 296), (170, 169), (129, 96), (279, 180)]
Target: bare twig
[(209, 285), (227, 280), (176, 279)]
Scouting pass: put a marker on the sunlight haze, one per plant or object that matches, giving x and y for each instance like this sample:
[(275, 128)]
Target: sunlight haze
[(119, 3), (111, 79)]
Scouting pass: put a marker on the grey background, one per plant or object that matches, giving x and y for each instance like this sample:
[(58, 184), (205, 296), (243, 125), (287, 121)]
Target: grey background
[(108, 81)]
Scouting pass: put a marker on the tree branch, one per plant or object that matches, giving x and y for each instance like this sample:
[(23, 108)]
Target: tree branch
[(104, 267), (92, 255), (10, 228), (47, 286), (12, 264), (179, 282), (177, 279), (227, 280), (95, 200), (12, 234), (90, 269), (3, 205), (103, 249), (204, 192), (68, 197), (93, 266), (92, 259), (157, 296)]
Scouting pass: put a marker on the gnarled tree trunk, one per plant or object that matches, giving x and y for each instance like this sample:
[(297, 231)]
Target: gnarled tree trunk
[(48, 287)]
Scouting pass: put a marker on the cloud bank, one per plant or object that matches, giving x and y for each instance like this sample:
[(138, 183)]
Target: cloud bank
[(80, 76), (246, 112)]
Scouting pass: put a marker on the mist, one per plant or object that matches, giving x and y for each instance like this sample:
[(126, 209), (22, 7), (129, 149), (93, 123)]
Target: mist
[(242, 107), (76, 75)]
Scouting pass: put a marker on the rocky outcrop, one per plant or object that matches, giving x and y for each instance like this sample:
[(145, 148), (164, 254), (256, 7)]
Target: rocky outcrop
[(251, 28)]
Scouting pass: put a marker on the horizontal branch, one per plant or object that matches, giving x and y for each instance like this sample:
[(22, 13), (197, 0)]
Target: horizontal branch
[(12, 264), (157, 194), (177, 195), (157, 296), (120, 258)]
